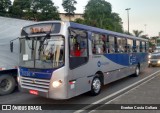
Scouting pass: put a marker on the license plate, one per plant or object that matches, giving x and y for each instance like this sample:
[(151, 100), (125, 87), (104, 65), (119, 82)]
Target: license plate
[(34, 92)]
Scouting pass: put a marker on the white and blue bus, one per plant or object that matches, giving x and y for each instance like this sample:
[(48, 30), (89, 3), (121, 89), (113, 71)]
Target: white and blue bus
[(61, 60)]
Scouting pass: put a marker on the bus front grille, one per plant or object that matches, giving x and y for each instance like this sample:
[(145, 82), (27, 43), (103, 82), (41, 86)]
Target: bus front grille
[(34, 83), (155, 57)]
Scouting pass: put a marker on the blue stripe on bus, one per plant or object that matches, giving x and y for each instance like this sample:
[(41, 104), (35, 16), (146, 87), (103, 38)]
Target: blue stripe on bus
[(121, 59), (42, 74), (127, 59)]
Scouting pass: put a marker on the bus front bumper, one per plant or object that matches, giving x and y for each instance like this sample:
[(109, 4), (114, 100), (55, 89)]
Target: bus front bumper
[(52, 94), (154, 62), (34, 92)]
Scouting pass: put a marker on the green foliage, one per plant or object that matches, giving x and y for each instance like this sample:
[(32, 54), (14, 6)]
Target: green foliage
[(98, 13), (144, 36), (151, 44), (155, 38), (43, 10), (69, 7), (79, 20), (137, 33), (4, 7), (38, 10), (19, 7)]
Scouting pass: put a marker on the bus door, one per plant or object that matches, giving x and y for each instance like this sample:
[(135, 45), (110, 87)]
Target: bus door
[(78, 58)]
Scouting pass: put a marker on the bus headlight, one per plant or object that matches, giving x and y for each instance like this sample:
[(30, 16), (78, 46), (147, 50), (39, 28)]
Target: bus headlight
[(149, 62), (18, 79), (149, 56), (159, 62), (56, 84)]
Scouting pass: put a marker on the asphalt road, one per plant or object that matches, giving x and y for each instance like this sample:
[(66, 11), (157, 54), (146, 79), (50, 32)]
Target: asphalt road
[(22, 98)]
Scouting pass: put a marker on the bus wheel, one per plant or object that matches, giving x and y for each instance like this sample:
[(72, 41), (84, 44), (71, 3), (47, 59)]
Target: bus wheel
[(137, 71), (96, 86), (7, 84)]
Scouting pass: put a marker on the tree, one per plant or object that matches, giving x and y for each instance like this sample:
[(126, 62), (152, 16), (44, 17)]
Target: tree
[(20, 7), (43, 10), (38, 10), (4, 7), (137, 33), (144, 36), (69, 7), (98, 13), (117, 21), (79, 20)]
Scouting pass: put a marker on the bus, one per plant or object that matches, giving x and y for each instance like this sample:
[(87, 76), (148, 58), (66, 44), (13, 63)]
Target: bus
[(61, 60)]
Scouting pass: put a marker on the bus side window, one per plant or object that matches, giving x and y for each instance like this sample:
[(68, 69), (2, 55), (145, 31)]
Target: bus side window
[(126, 46), (107, 44), (111, 44), (78, 43), (137, 46), (104, 40), (129, 45), (143, 46), (147, 47), (121, 45), (140, 47), (78, 46), (98, 43)]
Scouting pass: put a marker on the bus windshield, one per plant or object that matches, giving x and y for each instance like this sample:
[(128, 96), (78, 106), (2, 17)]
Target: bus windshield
[(42, 52)]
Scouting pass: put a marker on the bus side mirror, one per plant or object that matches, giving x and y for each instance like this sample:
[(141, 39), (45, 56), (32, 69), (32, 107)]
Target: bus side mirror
[(11, 46)]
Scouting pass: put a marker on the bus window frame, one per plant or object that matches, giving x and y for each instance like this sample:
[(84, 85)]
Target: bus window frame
[(109, 35), (69, 52), (132, 46), (124, 46), (107, 40)]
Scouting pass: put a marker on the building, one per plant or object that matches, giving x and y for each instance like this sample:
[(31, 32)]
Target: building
[(73, 18)]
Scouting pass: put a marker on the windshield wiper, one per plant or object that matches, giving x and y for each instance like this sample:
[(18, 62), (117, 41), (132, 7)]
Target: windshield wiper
[(42, 44)]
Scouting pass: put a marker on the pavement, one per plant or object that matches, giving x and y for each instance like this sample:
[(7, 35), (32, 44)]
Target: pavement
[(137, 100)]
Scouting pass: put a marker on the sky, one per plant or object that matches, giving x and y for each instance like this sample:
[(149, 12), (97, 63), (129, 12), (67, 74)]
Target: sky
[(144, 14)]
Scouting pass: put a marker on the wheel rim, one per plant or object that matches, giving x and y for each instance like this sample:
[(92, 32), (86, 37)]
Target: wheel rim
[(5, 84), (96, 85), (137, 71)]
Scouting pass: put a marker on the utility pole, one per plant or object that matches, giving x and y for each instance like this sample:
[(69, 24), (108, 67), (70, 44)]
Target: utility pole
[(128, 17)]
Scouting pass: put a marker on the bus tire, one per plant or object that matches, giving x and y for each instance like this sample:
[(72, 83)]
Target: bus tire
[(137, 71), (7, 84), (96, 86)]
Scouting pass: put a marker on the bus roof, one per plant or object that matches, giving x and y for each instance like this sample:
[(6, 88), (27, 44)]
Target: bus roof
[(93, 29), (98, 30)]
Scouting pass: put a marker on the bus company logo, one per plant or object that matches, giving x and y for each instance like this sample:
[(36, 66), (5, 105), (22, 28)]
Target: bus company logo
[(33, 81), (33, 74), (132, 59), (99, 64)]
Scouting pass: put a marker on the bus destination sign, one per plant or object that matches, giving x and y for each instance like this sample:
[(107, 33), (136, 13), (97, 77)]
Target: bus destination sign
[(41, 28)]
